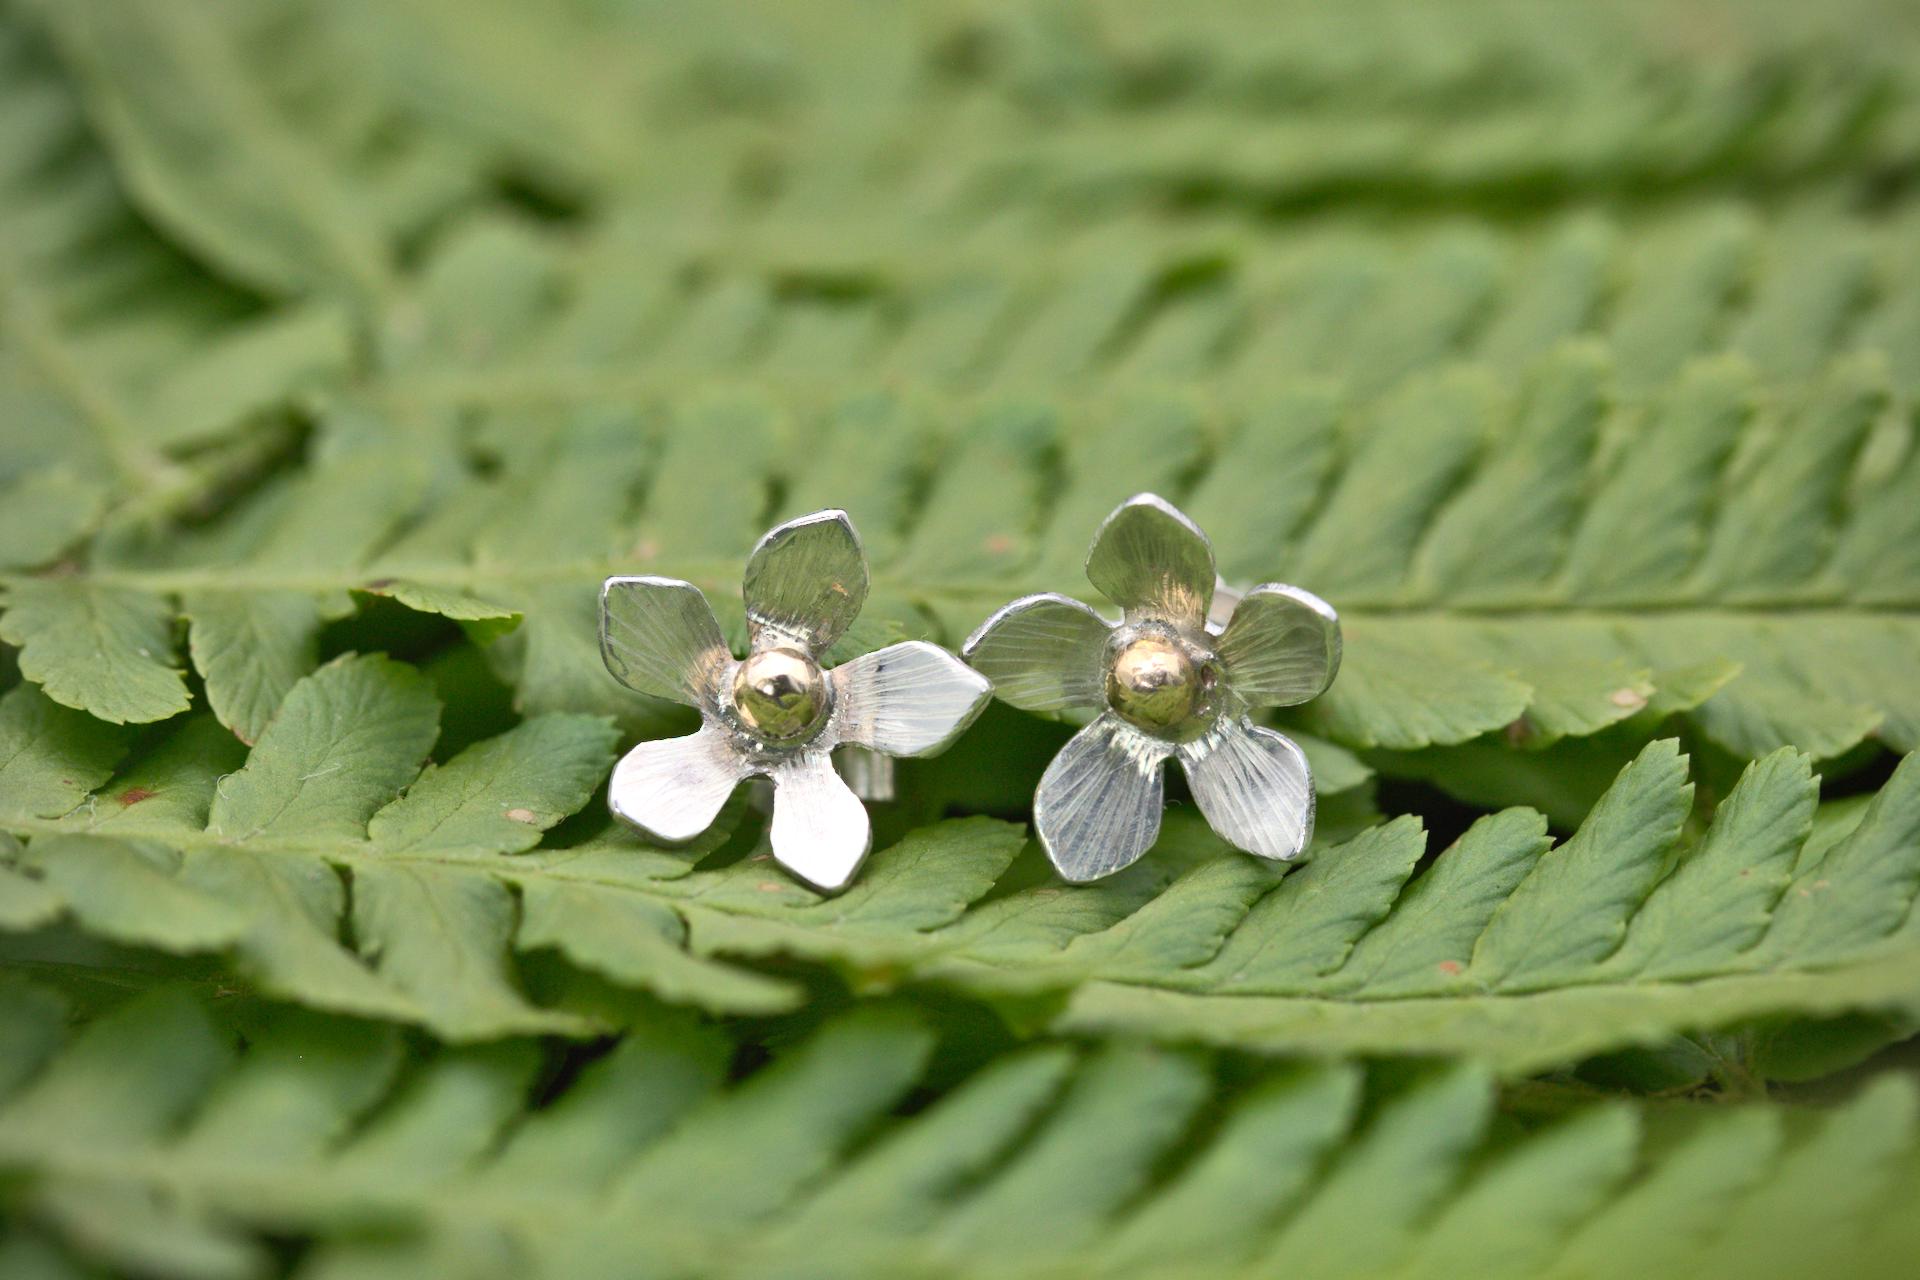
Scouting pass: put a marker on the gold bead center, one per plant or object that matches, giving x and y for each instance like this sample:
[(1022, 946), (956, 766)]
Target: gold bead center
[(1154, 683), (780, 694)]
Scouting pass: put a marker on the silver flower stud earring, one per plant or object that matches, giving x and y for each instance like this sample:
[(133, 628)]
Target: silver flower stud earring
[(1165, 684), (776, 713)]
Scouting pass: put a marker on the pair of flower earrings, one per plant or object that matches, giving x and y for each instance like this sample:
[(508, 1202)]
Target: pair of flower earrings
[(1175, 677)]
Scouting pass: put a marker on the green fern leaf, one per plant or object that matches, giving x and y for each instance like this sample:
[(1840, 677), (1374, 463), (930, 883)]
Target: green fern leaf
[(125, 373), (1576, 368), (51, 757), (1505, 948), (150, 1140), (273, 213), (1547, 655), (1539, 549)]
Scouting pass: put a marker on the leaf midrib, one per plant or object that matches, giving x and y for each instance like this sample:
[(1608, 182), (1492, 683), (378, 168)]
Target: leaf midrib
[(1884, 972), (694, 889)]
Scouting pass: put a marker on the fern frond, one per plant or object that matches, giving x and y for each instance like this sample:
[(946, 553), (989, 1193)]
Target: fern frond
[(1526, 587), (1045, 1162), (1536, 550), (1506, 948), (125, 371)]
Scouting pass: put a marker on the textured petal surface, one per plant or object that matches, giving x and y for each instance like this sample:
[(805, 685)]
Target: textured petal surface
[(1098, 807), (1042, 653), (909, 699), (673, 788), (820, 828), (1254, 788), (1281, 647), (659, 637), (807, 579), (1149, 558)]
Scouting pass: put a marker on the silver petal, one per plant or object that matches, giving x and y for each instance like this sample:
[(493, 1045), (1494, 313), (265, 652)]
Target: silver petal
[(1254, 787), (1150, 559), (820, 828), (1098, 806), (658, 636), (1043, 653), (910, 699), (673, 788), (806, 581), (1282, 646)]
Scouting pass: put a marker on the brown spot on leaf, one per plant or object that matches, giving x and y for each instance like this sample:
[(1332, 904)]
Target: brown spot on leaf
[(998, 544), (134, 795), (647, 549), (520, 815), (1449, 967), (380, 584), (1519, 731), (770, 886)]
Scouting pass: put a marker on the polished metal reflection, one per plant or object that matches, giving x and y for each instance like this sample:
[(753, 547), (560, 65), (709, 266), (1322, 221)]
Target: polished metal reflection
[(1176, 677), (777, 714)]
